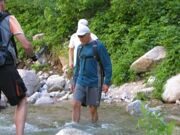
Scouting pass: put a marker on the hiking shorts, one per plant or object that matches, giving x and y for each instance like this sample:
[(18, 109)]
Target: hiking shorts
[(11, 84), (87, 95)]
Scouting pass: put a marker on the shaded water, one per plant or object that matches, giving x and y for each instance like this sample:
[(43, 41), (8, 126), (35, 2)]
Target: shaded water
[(49, 119)]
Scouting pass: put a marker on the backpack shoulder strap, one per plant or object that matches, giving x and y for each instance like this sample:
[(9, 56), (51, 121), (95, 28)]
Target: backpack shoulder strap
[(95, 52), (14, 45), (79, 50), (80, 47), (3, 15), (97, 57)]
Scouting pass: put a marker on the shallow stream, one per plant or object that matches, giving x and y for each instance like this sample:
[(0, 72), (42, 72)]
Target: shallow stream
[(49, 119)]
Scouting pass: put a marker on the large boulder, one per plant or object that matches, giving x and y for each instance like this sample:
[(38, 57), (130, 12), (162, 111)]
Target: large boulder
[(31, 80), (145, 62), (172, 89), (126, 92), (55, 83)]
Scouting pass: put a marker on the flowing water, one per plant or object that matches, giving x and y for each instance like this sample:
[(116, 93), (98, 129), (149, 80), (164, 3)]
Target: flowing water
[(49, 119)]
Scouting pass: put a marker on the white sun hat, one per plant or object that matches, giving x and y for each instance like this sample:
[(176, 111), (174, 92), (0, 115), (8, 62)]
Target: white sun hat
[(82, 22), (82, 30)]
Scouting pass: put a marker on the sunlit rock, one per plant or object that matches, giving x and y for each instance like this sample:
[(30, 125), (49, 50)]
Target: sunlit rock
[(55, 83), (38, 36), (172, 89), (31, 80), (72, 131), (45, 99), (145, 62)]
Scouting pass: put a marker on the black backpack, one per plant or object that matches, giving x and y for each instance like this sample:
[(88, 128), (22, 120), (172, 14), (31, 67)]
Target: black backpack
[(5, 55)]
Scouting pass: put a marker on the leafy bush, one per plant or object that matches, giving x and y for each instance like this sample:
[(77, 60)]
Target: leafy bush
[(128, 28), (38, 67), (131, 28), (154, 124)]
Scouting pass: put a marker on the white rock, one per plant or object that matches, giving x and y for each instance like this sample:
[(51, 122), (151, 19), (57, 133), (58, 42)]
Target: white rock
[(38, 36), (3, 101), (32, 99), (72, 131), (55, 83), (178, 102), (172, 89), (31, 81), (44, 100), (145, 62), (65, 97), (57, 94)]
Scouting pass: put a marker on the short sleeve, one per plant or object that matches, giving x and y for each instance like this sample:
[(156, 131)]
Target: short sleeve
[(72, 40), (15, 27)]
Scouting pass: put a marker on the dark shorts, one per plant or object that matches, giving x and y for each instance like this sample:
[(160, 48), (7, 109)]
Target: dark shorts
[(87, 95), (11, 84)]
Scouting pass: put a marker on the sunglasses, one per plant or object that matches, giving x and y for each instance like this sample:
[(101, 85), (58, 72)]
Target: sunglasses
[(81, 36)]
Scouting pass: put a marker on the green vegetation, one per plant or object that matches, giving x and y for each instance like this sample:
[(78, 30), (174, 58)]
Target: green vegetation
[(142, 96), (129, 28), (38, 67), (154, 124)]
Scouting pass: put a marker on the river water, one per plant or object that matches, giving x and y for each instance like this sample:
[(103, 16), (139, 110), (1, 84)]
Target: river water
[(49, 119)]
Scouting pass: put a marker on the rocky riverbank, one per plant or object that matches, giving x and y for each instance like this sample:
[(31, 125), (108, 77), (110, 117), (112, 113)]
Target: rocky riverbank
[(50, 88)]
